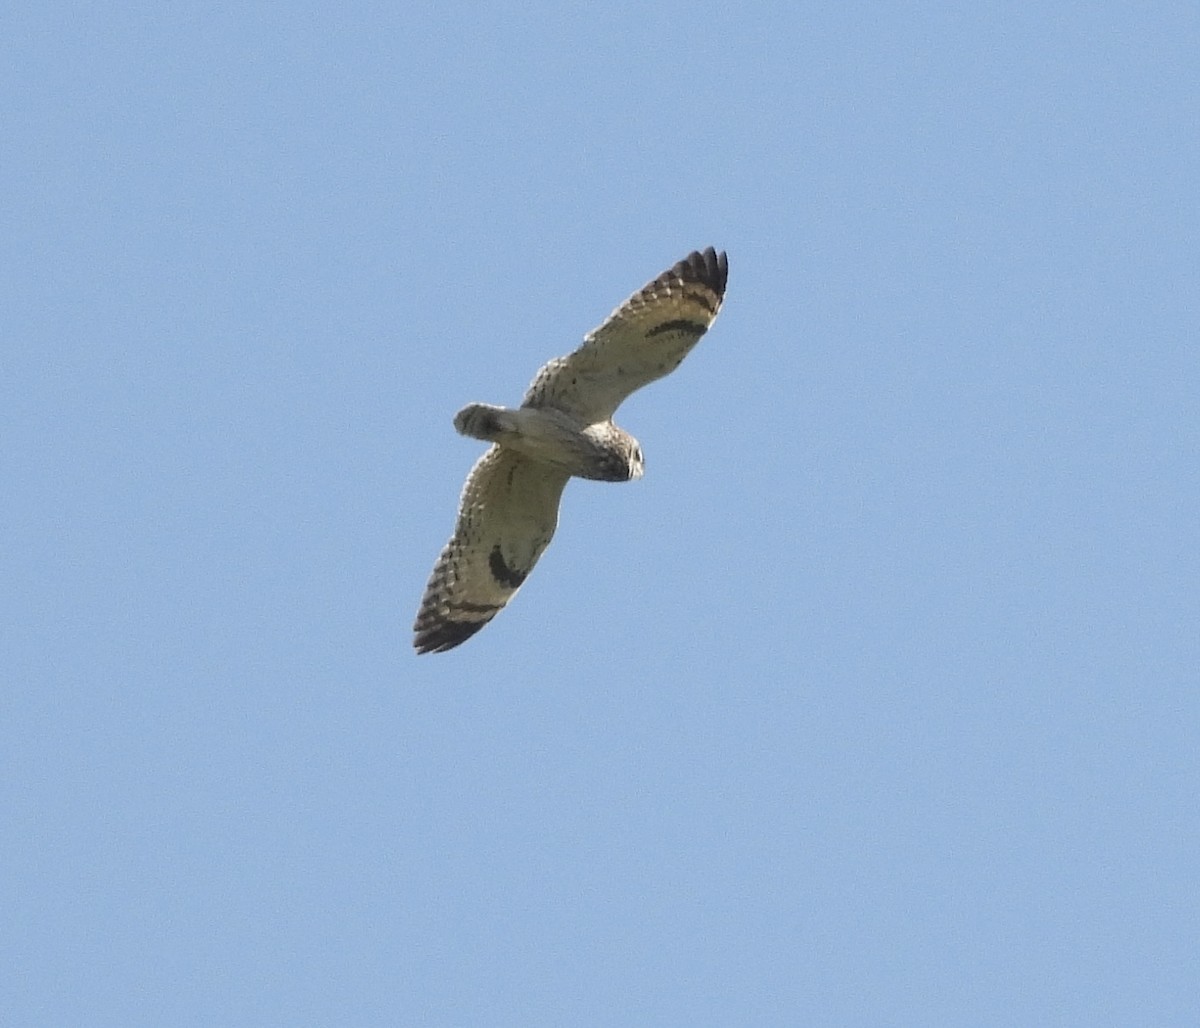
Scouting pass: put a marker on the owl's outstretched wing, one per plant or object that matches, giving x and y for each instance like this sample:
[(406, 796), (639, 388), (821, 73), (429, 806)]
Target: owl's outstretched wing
[(642, 340), (506, 518)]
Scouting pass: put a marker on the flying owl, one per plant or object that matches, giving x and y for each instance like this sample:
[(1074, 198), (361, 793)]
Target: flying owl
[(564, 427)]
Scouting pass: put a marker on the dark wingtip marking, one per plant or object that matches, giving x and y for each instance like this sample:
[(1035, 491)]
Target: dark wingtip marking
[(707, 267), (686, 325), (502, 573), (445, 635)]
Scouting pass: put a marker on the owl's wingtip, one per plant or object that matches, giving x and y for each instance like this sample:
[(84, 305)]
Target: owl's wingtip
[(444, 635), (708, 266)]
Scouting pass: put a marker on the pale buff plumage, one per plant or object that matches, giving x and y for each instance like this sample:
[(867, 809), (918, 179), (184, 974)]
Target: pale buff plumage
[(563, 428)]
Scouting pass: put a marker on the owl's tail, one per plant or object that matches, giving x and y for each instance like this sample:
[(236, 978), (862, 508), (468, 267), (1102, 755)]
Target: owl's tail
[(483, 421)]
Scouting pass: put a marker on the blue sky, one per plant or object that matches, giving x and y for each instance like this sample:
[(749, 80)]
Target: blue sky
[(874, 702)]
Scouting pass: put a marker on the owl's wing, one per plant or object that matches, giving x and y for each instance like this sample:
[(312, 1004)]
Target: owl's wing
[(642, 340), (506, 518)]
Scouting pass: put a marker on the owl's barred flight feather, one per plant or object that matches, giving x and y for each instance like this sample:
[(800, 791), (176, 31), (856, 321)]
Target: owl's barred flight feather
[(563, 428)]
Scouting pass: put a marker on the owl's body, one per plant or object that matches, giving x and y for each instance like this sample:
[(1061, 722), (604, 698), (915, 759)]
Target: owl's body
[(563, 428)]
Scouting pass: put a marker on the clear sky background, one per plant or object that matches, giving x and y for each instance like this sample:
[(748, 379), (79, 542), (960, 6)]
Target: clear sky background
[(874, 702)]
